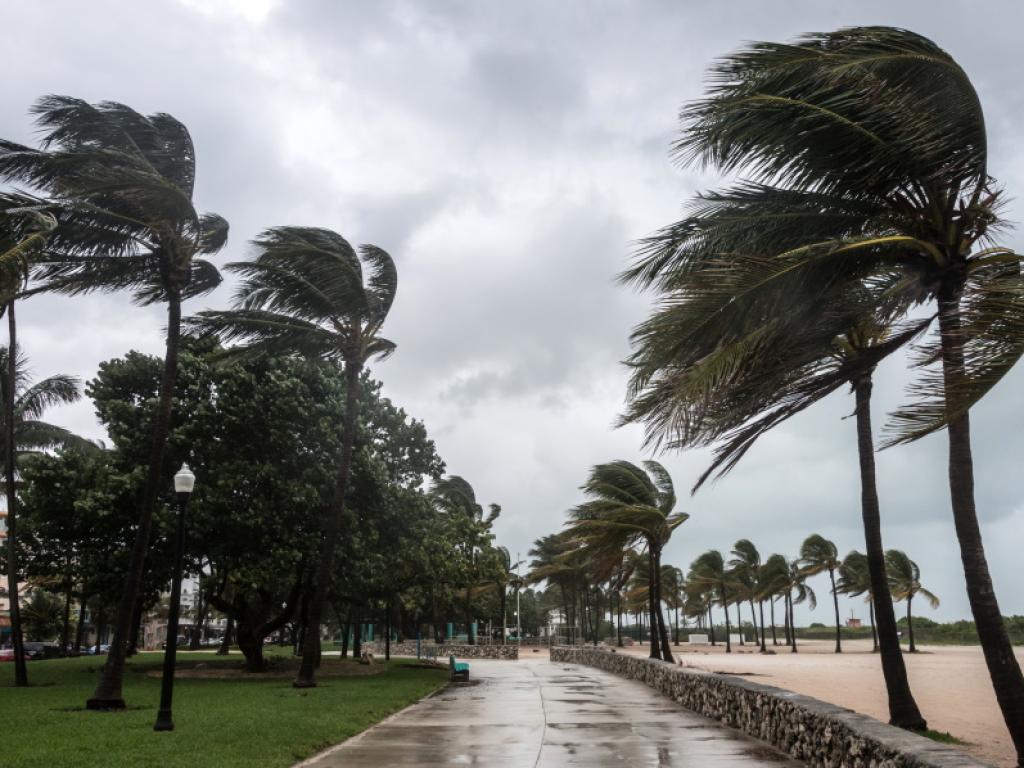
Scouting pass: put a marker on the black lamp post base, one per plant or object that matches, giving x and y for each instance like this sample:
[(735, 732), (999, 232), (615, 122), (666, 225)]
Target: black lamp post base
[(163, 721), (104, 705)]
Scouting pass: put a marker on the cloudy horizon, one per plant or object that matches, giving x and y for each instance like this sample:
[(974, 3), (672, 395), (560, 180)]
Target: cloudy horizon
[(508, 156)]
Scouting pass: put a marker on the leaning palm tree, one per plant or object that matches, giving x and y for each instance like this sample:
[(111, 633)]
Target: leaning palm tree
[(746, 565), (772, 578), (796, 591), (710, 571), (905, 583), (869, 145), (309, 292), (120, 185), (855, 579), (23, 232), (817, 555), (631, 505)]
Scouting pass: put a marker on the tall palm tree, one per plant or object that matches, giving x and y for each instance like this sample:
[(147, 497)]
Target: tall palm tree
[(710, 571), (120, 185), (23, 232), (309, 292), (817, 555), (868, 145), (855, 579), (628, 505), (905, 583), (796, 590), (773, 577)]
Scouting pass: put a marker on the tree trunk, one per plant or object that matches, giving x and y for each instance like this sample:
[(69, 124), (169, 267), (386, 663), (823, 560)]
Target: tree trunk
[(835, 601), (504, 599), (711, 625), (666, 649), (387, 631), (760, 607), (17, 638), (771, 610), (133, 634), (1003, 667), (903, 710), (910, 625), (470, 639), (225, 643), (652, 563), (874, 632), (792, 624), (107, 695), (80, 629), (618, 619), (325, 567), (728, 631), (753, 619), (65, 627), (785, 625), (739, 621)]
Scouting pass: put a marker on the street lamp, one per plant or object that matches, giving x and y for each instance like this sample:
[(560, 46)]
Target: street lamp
[(184, 482)]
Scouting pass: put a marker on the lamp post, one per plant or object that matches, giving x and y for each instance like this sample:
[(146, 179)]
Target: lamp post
[(184, 482)]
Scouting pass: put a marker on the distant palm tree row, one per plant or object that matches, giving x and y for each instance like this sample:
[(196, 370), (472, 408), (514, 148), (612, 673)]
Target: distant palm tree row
[(109, 207)]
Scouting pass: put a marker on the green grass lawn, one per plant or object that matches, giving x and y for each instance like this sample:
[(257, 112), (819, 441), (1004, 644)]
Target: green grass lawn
[(224, 723)]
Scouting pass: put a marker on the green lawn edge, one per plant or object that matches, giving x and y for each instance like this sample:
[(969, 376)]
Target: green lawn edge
[(252, 722)]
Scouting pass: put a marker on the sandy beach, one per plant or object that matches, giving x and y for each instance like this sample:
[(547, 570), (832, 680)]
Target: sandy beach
[(951, 684)]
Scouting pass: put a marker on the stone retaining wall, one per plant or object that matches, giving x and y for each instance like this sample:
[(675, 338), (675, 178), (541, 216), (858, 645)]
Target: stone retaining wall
[(815, 732), (461, 651)]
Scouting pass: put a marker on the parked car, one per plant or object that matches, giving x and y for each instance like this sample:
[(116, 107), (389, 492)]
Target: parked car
[(36, 650), (6, 654)]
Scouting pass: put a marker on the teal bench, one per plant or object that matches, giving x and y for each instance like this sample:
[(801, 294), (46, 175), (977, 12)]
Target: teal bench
[(457, 670)]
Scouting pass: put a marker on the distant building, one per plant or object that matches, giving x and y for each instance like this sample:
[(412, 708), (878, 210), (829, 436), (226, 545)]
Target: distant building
[(853, 623)]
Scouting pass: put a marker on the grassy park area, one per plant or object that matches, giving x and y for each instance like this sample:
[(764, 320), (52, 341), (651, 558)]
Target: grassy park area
[(227, 719)]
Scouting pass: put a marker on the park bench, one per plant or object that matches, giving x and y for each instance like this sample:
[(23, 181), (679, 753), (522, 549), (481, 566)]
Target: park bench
[(457, 670)]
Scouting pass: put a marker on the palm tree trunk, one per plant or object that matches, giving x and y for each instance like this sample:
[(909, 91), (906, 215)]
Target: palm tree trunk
[(504, 598), (753, 619), (711, 625), (835, 601), (65, 627), (1003, 668), (652, 607), (903, 710), (618, 618), (325, 567), (725, 608), (760, 606), (771, 609), (18, 639), (792, 625), (785, 626), (874, 632), (666, 648), (107, 695), (910, 625), (739, 621)]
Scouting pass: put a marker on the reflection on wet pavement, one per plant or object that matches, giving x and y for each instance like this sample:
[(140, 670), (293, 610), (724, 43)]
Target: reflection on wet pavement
[(536, 713)]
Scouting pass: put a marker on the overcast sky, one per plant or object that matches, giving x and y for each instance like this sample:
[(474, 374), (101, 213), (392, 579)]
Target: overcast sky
[(507, 155)]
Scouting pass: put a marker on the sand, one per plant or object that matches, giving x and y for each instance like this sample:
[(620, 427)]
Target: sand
[(950, 683)]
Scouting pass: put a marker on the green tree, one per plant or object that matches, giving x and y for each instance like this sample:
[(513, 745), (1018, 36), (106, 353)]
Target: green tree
[(905, 583), (23, 233), (855, 579), (120, 185), (630, 505), (309, 292), (43, 612), (746, 564), (818, 555), (710, 572)]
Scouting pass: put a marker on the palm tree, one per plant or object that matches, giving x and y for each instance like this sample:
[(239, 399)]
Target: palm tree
[(308, 292), (796, 591), (709, 570), (629, 505), (885, 178), (746, 565), (905, 583), (855, 579), (817, 555), (120, 185), (23, 232), (773, 576)]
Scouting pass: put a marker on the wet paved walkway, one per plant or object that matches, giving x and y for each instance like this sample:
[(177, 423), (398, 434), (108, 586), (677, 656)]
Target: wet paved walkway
[(535, 713)]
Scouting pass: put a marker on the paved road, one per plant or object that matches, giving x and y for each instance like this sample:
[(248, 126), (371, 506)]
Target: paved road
[(537, 713)]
